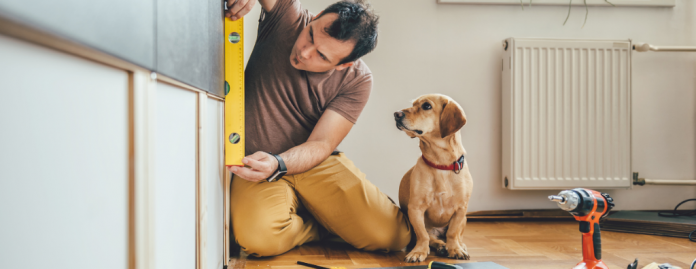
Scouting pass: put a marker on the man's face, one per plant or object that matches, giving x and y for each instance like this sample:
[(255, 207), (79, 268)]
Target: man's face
[(316, 51)]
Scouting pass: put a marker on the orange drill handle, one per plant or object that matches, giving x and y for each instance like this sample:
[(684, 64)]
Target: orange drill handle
[(591, 240), (591, 236)]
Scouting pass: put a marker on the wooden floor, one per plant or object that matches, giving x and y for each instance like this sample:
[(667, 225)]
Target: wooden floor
[(513, 244)]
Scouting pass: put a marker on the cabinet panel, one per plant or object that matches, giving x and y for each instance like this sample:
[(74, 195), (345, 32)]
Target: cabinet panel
[(183, 41), (63, 160), (122, 28), (175, 178), (217, 48), (214, 160)]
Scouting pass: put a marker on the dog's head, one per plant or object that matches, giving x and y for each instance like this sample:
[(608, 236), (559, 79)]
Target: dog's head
[(432, 115)]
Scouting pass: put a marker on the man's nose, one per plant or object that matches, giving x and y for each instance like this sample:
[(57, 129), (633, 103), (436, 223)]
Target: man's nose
[(398, 115), (305, 53)]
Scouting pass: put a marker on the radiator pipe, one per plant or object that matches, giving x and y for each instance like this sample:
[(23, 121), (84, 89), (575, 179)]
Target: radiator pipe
[(650, 181), (643, 47)]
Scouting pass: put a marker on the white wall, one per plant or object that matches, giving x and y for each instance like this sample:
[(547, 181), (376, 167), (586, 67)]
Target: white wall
[(425, 47)]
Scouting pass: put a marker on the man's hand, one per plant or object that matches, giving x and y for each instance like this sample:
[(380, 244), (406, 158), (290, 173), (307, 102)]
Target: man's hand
[(261, 166), (236, 9)]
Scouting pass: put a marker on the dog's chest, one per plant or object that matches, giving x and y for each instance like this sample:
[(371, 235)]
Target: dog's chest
[(440, 210), (443, 201)]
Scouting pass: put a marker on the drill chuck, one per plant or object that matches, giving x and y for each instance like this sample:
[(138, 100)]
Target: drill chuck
[(567, 200), (557, 198)]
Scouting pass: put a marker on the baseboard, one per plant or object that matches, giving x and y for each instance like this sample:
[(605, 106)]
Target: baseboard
[(531, 214), (536, 214)]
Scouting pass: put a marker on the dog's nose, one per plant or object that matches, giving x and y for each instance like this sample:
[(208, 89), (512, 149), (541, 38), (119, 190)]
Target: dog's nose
[(398, 115)]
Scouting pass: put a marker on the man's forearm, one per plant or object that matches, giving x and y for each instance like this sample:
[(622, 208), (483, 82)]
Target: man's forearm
[(303, 157), (327, 134)]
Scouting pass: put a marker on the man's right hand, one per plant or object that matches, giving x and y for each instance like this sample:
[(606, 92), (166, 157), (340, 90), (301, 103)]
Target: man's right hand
[(236, 9), (261, 166)]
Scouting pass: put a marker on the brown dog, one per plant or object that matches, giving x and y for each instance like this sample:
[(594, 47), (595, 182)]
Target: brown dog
[(436, 191)]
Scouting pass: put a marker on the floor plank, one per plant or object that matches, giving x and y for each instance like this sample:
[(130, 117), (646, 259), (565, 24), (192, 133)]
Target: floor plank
[(513, 244)]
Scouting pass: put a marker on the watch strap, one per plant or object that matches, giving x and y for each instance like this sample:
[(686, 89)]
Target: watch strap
[(280, 171)]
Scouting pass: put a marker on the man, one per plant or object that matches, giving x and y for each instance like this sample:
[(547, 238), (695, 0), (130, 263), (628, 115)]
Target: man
[(305, 88)]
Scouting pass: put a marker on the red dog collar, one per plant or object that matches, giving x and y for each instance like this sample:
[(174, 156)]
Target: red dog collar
[(456, 166)]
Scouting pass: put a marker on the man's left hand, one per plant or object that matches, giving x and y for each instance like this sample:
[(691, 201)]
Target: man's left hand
[(261, 166)]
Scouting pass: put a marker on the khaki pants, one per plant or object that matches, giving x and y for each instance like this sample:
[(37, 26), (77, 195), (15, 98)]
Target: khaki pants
[(271, 218)]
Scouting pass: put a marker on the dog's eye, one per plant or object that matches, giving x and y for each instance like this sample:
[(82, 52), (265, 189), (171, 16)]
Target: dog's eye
[(426, 106)]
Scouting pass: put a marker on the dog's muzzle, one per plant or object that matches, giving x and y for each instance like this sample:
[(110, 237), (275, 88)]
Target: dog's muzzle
[(399, 117)]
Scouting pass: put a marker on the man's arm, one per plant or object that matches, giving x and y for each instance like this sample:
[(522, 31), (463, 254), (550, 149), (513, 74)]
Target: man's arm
[(327, 134), (239, 8)]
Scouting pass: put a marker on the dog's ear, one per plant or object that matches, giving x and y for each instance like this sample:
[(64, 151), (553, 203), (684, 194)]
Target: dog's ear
[(451, 119)]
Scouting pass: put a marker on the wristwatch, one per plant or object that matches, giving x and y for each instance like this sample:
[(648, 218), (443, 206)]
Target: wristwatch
[(280, 171)]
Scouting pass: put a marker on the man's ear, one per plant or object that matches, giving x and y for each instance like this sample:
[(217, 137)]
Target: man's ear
[(344, 66), (317, 16), (452, 119)]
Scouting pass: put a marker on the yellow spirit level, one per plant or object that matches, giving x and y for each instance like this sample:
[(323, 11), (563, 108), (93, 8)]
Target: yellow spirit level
[(234, 92)]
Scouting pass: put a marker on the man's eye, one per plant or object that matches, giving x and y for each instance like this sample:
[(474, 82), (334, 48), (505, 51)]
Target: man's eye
[(426, 106)]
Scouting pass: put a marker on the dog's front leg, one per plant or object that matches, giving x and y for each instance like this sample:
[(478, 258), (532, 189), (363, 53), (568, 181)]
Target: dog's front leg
[(455, 248), (421, 250)]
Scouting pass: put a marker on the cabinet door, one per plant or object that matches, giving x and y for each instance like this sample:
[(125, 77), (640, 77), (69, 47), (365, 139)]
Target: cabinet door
[(175, 178), (215, 183), (63, 160)]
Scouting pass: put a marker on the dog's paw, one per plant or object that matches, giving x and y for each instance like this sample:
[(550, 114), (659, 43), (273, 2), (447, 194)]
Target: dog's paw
[(440, 249), (458, 253), (442, 252), (416, 256)]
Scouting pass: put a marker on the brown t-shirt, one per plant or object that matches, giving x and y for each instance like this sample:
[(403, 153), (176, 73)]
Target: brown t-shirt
[(284, 104)]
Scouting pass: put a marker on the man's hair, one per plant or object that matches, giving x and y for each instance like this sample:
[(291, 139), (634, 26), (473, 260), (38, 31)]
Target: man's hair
[(356, 22)]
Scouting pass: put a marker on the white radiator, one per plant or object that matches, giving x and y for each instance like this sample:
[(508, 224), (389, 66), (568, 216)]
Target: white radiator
[(566, 113)]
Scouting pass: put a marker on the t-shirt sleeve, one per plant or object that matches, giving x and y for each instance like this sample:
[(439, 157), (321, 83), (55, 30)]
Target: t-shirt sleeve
[(285, 16), (350, 102)]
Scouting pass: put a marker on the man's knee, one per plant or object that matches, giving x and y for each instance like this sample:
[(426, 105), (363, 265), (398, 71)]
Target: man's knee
[(259, 213), (262, 242), (261, 234)]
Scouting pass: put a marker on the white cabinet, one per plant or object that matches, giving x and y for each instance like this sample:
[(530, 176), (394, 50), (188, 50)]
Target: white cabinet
[(175, 177), (63, 160), (105, 167), (214, 184)]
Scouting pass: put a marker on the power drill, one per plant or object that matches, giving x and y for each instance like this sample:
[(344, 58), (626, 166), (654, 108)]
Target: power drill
[(588, 207)]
